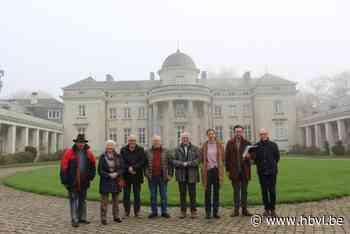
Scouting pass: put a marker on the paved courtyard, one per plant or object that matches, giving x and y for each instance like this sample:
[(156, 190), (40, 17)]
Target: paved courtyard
[(22, 212)]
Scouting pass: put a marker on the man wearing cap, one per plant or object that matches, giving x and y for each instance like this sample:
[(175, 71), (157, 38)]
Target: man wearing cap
[(134, 160), (78, 169), (186, 163)]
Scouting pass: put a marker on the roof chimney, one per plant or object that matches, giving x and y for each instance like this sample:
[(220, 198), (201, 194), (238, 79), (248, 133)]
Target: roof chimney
[(246, 75), (109, 78), (34, 98), (152, 76), (204, 75)]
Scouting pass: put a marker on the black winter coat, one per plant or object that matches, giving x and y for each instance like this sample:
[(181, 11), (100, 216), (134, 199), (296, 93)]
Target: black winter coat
[(107, 184), (135, 159), (266, 157)]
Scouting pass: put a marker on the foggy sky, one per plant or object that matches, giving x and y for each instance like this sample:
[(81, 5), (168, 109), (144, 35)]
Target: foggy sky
[(50, 44)]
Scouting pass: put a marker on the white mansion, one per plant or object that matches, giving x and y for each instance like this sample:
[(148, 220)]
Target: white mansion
[(182, 99)]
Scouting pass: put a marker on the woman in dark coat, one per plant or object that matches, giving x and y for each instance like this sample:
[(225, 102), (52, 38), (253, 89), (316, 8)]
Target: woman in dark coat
[(110, 169)]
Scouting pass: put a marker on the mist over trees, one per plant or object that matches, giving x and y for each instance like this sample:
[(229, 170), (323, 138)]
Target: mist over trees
[(322, 93)]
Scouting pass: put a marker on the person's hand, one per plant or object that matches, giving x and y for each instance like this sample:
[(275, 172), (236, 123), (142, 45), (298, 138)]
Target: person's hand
[(185, 164), (168, 178), (247, 156), (131, 170), (113, 175)]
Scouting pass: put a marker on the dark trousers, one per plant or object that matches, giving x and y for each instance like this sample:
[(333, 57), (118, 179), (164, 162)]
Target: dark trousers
[(77, 202), (240, 194), (154, 183), (268, 190), (212, 192), (136, 188), (104, 206), (191, 187)]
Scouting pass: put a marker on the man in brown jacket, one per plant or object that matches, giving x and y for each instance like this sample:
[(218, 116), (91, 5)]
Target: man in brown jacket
[(238, 169)]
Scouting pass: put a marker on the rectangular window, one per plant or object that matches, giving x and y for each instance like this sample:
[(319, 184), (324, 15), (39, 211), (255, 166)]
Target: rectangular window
[(141, 112), (113, 113), (232, 131), (233, 110), (142, 136), (127, 114), (246, 108), (54, 114), (219, 133), (277, 106), (180, 110), (179, 130), (248, 132), (82, 110), (81, 130), (217, 111), (127, 132), (281, 132), (113, 134)]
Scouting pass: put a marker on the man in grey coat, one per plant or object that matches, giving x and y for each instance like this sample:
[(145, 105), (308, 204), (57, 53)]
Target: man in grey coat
[(186, 163)]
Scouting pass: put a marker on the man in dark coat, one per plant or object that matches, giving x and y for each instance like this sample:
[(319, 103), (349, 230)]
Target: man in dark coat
[(266, 159), (78, 169), (158, 172), (111, 169), (134, 160), (186, 163), (238, 169)]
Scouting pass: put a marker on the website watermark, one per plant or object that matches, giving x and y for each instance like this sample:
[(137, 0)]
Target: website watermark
[(325, 220)]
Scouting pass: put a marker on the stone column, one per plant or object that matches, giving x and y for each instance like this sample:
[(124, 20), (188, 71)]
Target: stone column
[(53, 146), (11, 139), (26, 137), (46, 142), (329, 134), (171, 133), (317, 136), (155, 119), (191, 124), (37, 141), (149, 123), (59, 141), (308, 136), (341, 130)]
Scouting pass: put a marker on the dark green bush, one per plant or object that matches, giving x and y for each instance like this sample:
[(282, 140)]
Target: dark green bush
[(31, 149), (51, 157), (338, 148)]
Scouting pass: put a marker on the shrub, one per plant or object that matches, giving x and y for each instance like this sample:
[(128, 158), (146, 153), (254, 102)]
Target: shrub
[(297, 149), (21, 157), (326, 148), (51, 157), (312, 150), (338, 148), (31, 149)]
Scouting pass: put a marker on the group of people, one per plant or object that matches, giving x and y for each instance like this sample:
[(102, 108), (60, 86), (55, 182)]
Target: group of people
[(125, 172)]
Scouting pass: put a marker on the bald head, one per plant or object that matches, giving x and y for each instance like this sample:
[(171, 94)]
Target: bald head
[(264, 134), (156, 141)]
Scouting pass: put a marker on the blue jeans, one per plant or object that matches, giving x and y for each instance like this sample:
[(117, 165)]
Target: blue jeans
[(154, 183)]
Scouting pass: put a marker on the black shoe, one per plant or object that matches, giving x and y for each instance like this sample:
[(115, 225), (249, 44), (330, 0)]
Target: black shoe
[(74, 224), (117, 220), (166, 215), (216, 216), (84, 222), (103, 222), (152, 216), (207, 216)]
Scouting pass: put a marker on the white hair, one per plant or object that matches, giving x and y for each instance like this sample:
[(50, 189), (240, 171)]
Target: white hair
[(185, 134), (156, 137), (108, 142)]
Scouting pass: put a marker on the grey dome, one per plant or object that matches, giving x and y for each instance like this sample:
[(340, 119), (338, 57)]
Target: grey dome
[(179, 59)]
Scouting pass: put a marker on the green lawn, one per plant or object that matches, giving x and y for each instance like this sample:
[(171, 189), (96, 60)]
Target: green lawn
[(299, 180)]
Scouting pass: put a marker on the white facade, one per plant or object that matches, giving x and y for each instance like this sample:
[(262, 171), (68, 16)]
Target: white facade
[(179, 101)]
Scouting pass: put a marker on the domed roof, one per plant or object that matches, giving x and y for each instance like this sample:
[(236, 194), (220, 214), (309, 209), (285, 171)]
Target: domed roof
[(179, 59)]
